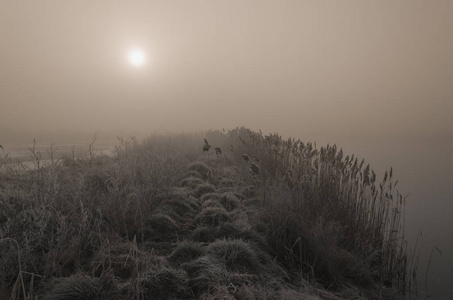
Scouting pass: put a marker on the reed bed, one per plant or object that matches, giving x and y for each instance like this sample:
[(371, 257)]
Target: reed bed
[(162, 219), (313, 194)]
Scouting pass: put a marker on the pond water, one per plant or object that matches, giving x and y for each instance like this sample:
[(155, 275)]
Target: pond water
[(23, 154), (424, 170)]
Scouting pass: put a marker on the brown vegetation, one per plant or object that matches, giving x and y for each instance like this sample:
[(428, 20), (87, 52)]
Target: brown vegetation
[(159, 220)]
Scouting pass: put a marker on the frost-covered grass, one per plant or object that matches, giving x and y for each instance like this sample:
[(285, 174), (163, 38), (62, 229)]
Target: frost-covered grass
[(157, 219)]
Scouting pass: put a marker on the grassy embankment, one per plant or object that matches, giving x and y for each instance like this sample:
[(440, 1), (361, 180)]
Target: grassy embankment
[(268, 219)]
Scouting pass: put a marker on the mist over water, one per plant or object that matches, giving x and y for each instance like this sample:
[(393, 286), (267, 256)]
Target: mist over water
[(374, 78), (423, 170)]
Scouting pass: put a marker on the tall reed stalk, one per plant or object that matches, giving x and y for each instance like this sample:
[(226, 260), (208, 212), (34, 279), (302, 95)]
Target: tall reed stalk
[(326, 185)]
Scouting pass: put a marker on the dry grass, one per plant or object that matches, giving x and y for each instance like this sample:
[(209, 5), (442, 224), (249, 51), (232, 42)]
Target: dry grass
[(186, 251), (237, 256), (191, 182), (159, 220), (309, 186), (204, 273), (163, 282), (212, 216), (81, 286), (229, 201)]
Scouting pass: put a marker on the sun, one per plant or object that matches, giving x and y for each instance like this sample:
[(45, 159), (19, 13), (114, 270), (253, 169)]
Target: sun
[(137, 57)]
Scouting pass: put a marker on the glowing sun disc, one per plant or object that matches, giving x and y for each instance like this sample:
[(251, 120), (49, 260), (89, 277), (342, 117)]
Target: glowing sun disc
[(136, 57)]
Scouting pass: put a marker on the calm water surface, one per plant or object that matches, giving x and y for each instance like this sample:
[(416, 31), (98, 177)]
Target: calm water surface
[(424, 170)]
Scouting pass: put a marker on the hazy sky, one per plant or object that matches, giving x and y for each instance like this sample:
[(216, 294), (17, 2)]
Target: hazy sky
[(314, 69), (362, 74)]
